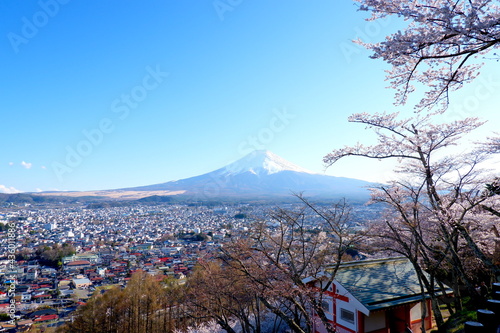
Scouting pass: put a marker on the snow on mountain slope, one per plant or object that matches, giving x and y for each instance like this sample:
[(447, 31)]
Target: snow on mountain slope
[(261, 162)]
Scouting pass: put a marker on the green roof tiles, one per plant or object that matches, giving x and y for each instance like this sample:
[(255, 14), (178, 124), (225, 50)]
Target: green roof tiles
[(380, 283)]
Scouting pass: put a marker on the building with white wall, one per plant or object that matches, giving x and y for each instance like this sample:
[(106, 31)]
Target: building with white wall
[(373, 296)]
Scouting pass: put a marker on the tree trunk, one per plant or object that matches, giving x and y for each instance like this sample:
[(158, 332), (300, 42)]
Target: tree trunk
[(291, 323), (430, 290)]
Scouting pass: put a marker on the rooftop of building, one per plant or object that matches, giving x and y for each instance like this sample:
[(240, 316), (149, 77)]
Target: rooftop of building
[(381, 283)]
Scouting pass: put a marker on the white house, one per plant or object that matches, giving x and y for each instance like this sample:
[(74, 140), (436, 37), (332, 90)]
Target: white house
[(82, 283)]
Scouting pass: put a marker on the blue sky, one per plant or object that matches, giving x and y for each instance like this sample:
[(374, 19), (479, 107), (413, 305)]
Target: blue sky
[(112, 94)]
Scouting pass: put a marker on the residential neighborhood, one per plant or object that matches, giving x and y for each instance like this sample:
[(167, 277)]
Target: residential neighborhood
[(109, 244), (65, 254)]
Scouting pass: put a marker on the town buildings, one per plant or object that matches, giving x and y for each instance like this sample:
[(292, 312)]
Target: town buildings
[(111, 243)]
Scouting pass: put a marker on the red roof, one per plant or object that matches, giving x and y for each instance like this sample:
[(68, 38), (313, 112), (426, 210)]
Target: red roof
[(166, 259), (47, 317)]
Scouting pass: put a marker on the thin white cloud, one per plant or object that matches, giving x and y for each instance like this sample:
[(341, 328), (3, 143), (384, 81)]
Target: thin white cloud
[(43, 167), (11, 163), (8, 190), (38, 190), (26, 165)]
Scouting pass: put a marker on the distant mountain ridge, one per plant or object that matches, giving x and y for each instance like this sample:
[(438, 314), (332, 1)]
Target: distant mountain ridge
[(262, 174)]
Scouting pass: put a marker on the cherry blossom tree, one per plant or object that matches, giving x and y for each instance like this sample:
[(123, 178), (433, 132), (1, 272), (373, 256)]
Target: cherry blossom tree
[(442, 46), (279, 254), (493, 207), (435, 210)]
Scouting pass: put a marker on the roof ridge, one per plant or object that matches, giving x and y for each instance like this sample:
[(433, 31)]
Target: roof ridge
[(372, 262)]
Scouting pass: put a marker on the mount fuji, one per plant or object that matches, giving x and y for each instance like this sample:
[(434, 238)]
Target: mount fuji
[(258, 175)]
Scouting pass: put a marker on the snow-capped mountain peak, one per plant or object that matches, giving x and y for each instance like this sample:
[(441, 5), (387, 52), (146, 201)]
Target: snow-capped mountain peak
[(262, 174), (262, 162)]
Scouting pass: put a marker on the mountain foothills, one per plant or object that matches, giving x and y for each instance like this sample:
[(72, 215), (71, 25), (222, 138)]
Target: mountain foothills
[(258, 175)]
